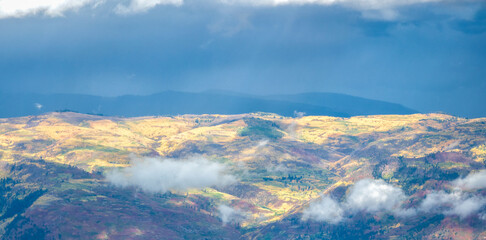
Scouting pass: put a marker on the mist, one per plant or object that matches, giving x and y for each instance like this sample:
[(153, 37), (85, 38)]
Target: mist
[(376, 196), (157, 175)]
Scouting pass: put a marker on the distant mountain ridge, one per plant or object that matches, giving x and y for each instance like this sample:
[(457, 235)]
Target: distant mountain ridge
[(354, 106), (209, 102)]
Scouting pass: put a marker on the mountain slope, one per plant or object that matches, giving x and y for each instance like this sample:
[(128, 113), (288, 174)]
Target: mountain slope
[(55, 170)]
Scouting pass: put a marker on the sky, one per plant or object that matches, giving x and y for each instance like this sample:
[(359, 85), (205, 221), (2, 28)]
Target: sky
[(429, 55)]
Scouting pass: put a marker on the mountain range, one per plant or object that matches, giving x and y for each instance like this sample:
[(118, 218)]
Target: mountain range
[(209, 102)]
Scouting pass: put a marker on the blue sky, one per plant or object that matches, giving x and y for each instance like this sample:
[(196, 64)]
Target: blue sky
[(429, 55)]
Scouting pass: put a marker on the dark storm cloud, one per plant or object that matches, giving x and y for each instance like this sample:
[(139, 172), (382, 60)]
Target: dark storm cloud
[(430, 60)]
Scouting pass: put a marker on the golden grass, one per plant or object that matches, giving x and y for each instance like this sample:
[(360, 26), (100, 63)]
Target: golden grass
[(97, 143), (45, 200), (479, 153), (212, 193), (223, 133)]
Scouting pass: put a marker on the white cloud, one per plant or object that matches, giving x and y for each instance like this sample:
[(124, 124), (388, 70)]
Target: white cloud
[(262, 143), (374, 195), (356, 4), (363, 3), (367, 195), (454, 203), (382, 9), (162, 175), (280, 168), (458, 202), (57, 8), (230, 215), (38, 106), (468, 206), (52, 8), (292, 128), (326, 210), (298, 114), (472, 181), (139, 6)]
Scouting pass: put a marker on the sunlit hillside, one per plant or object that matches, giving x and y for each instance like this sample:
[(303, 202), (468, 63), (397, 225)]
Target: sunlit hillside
[(56, 164)]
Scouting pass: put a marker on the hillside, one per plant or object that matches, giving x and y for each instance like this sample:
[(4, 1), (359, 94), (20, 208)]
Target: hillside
[(250, 176), (209, 102)]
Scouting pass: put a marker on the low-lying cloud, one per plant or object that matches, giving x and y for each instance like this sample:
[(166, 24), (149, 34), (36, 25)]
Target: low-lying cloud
[(368, 195), (455, 203), (473, 181), (292, 128), (262, 144), (277, 168), (161, 175), (230, 215), (325, 210), (459, 201), (374, 196), (38, 106)]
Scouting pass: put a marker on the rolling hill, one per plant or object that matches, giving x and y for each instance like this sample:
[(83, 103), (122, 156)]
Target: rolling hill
[(250, 176)]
